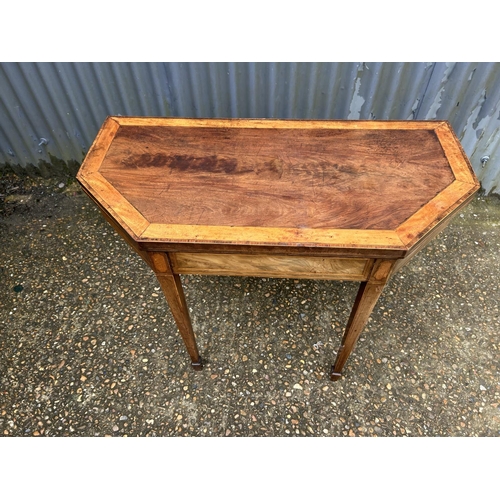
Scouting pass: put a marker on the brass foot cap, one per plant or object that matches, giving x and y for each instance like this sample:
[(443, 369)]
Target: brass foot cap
[(198, 366)]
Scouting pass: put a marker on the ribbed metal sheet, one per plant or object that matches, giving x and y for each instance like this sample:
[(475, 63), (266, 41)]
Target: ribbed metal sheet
[(468, 95), (52, 111)]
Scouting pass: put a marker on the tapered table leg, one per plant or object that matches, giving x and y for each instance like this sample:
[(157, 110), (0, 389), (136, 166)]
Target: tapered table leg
[(368, 294), (363, 306), (172, 288)]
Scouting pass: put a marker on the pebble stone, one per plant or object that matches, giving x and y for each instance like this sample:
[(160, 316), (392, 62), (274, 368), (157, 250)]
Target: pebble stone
[(88, 346)]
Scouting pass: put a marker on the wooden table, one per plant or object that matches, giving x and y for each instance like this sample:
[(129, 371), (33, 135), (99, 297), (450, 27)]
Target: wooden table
[(339, 200)]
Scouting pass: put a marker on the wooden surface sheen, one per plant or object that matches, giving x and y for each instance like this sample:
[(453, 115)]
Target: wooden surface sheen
[(338, 184), (344, 179), (270, 266)]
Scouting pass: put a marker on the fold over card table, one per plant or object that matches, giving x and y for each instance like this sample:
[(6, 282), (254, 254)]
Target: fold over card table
[(334, 200)]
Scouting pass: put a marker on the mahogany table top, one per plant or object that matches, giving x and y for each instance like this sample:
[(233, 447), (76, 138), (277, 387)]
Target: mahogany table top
[(294, 184)]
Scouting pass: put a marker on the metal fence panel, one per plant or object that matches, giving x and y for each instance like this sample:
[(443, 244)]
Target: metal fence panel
[(52, 111)]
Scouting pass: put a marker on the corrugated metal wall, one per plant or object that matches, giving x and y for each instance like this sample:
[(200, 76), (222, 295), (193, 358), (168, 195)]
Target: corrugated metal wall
[(52, 111)]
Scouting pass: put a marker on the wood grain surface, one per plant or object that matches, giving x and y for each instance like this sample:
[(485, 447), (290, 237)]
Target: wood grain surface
[(276, 177), (341, 188), (271, 266)]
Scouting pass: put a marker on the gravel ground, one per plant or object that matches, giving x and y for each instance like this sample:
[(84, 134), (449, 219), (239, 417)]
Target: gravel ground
[(88, 346)]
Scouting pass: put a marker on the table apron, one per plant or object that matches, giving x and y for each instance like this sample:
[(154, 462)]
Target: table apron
[(272, 266)]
